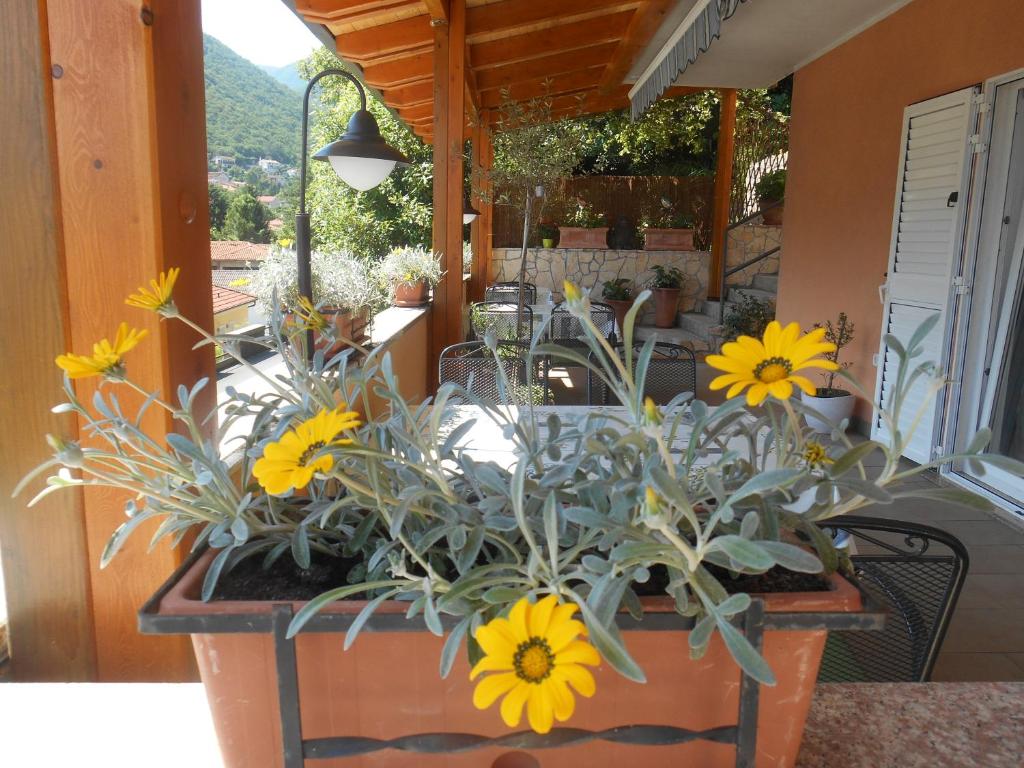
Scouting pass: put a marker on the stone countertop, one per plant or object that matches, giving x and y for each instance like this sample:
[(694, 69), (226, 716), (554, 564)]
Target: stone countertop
[(911, 725)]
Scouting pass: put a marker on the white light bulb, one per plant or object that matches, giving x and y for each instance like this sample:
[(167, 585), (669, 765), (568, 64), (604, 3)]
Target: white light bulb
[(362, 173)]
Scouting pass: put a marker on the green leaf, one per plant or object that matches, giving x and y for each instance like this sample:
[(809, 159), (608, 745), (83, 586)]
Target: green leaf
[(364, 615), (451, 646), (744, 653), (609, 644), (980, 440), (431, 618), (310, 609), (791, 557), (744, 552), (300, 546), (853, 457), (213, 573), (765, 481)]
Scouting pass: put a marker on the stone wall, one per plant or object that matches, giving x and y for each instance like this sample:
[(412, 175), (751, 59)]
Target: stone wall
[(746, 242), (549, 267)]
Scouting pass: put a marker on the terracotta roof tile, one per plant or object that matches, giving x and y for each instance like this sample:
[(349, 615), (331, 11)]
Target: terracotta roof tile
[(229, 298), (238, 250)]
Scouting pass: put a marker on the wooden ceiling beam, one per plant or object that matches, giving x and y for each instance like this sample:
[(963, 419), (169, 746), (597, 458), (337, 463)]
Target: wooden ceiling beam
[(645, 23), (497, 20), (417, 113), (410, 95), (570, 82), (594, 103), (436, 9), (520, 48), (391, 74), (546, 66), (374, 43), (333, 11)]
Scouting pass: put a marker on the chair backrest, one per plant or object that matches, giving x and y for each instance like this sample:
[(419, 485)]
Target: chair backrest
[(503, 318), (509, 291), (474, 367), (567, 330), (916, 572), (672, 370)]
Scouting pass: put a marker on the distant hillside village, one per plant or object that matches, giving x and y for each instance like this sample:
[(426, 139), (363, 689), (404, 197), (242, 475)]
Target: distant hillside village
[(250, 200)]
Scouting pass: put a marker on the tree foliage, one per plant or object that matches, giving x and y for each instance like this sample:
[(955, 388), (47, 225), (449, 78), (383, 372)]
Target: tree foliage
[(246, 218), (219, 202)]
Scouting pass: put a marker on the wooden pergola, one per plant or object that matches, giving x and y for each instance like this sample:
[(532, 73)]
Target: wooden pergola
[(104, 162), (444, 67)]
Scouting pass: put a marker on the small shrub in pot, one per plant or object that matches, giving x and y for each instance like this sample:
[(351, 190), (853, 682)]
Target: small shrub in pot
[(771, 189), (618, 293), (666, 284), (410, 272), (835, 405)]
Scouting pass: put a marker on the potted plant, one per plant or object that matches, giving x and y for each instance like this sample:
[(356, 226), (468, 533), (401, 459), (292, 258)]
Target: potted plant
[(410, 272), (618, 293), (771, 191), (584, 228), (344, 290), (667, 228), (548, 232), (666, 285), (559, 583), (832, 406), (749, 317)]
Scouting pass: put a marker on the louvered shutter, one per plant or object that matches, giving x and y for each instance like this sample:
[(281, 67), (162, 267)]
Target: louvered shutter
[(927, 247)]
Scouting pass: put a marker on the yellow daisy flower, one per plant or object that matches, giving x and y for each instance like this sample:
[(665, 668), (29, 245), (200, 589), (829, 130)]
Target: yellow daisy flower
[(106, 358), (816, 455), (769, 366), (158, 296), (310, 316), (570, 291), (536, 656), (292, 461)]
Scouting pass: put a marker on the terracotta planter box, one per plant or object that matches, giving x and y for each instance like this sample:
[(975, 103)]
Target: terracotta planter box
[(353, 326), (668, 239), (387, 685), (580, 237), (666, 302), (412, 294), (771, 216)]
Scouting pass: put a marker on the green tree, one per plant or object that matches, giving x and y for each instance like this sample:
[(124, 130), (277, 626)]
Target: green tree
[(398, 212), (247, 218), (219, 202)]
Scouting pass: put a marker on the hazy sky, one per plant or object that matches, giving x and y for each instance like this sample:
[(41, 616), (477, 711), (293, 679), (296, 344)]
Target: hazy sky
[(262, 31)]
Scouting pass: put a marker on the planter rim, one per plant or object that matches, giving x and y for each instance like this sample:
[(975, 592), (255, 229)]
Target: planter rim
[(843, 394), (176, 609)]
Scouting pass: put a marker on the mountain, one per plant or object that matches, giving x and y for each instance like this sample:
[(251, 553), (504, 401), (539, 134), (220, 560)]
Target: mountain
[(287, 75), (249, 114)]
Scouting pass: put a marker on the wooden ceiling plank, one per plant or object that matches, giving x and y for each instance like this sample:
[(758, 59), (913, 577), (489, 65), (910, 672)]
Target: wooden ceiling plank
[(517, 48), (497, 20), (644, 24), (340, 11), (409, 95), (555, 64), (373, 43), (391, 74), (436, 9), (570, 82)]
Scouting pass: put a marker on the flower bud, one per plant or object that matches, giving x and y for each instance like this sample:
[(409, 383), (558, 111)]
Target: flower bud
[(572, 293)]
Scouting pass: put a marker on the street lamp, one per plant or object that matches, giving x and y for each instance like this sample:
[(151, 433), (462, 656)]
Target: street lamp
[(361, 158), (468, 211)]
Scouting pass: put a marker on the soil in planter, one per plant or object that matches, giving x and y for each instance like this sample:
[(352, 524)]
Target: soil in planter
[(774, 580)]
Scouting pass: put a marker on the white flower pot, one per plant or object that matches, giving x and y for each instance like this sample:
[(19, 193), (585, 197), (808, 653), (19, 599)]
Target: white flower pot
[(833, 409)]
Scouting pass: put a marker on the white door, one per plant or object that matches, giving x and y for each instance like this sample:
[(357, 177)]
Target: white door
[(926, 252), (992, 374)]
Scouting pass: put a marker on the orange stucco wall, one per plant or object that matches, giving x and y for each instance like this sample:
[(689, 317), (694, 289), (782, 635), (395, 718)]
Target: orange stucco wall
[(844, 150)]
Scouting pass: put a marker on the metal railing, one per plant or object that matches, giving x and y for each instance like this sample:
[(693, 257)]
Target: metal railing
[(726, 273)]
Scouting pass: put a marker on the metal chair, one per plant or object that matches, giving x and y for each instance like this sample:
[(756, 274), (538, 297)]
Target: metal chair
[(474, 367), (503, 318), (672, 369), (566, 330), (915, 571), (509, 291)]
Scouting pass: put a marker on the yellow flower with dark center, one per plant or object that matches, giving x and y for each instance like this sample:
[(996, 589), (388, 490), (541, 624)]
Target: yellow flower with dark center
[(158, 296), (310, 316), (816, 455), (769, 366), (106, 358), (536, 654), (292, 461)]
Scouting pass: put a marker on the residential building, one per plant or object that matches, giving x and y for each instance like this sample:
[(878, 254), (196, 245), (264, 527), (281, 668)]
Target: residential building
[(237, 254)]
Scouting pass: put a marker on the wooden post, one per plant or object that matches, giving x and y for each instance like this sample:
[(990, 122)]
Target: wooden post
[(117, 194), (449, 118), (483, 155), (45, 560), (723, 187)]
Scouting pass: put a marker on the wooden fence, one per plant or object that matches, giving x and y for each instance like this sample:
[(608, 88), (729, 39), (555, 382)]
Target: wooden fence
[(614, 197)]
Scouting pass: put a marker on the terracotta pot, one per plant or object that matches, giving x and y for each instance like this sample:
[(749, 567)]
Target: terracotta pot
[(387, 685), (772, 217), (834, 409), (581, 237), (351, 326), (621, 308), (668, 239), (412, 294), (666, 301)]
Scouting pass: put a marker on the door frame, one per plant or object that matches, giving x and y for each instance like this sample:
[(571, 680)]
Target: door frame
[(953, 434)]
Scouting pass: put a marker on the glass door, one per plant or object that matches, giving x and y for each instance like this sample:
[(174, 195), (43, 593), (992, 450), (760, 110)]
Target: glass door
[(992, 386)]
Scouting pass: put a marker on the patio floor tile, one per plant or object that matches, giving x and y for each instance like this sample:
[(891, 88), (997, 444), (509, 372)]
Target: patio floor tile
[(976, 667), (979, 630)]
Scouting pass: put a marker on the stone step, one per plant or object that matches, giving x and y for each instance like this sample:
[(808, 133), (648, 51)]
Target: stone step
[(709, 307), (766, 282), (696, 322), (737, 294), (684, 338)]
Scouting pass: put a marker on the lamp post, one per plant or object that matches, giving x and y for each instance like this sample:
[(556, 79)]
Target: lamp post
[(361, 158), (468, 211)]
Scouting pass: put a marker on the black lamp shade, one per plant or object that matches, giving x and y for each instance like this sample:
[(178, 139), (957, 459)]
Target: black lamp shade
[(468, 211)]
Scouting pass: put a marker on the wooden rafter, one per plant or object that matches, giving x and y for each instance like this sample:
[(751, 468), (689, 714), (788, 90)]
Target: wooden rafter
[(374, 43), (497, 20), (436, 9), (519, 48), (546, 66), (570, 82), (410, 95), (391, 74), (348, 15), (642, 26)]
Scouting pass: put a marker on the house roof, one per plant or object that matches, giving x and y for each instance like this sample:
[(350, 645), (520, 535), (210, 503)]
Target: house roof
[(267, 199), (578, 52), (228, 298), (237, 250)]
